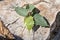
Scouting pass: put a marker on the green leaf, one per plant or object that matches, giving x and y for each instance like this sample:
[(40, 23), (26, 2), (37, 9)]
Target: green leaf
[(29, 22), (21, 11), (39, 20), (30, 7)]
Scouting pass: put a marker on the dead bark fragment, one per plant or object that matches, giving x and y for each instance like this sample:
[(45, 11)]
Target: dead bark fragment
[(4, 31)]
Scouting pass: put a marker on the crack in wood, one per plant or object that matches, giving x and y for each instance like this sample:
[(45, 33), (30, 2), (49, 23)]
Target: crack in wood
[(13, 22)]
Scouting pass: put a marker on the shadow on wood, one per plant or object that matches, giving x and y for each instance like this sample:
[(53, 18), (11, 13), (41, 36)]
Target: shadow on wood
[(55, 29)]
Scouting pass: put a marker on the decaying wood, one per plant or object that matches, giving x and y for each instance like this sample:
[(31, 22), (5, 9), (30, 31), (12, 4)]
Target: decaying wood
[(4, 31)]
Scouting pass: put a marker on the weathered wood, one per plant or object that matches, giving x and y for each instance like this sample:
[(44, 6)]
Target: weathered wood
[(48, 9)]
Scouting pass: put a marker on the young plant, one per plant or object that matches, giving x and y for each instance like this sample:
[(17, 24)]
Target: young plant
[(31, 17)]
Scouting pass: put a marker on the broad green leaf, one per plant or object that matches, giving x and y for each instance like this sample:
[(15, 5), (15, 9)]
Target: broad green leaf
[(29, 22), (39, 20), (30, 7), (21, 11)]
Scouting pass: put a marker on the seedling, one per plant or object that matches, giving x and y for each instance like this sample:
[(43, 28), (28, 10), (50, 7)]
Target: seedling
[(31, 17)]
